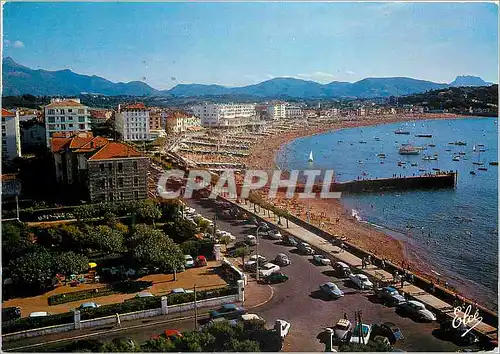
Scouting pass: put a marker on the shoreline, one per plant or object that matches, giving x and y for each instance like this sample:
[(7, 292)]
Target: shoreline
[(332, 215)]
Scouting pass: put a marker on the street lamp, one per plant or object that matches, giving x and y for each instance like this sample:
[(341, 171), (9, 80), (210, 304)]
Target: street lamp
[(257, 248)]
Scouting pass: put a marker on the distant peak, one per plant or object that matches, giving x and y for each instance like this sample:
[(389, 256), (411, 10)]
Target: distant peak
[(469, 80)]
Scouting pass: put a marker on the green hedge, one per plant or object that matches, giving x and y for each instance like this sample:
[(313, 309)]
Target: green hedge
[(121, 287), (26, 323)]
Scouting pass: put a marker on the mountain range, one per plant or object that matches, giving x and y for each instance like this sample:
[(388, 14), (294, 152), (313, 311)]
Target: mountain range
[(19, 79)]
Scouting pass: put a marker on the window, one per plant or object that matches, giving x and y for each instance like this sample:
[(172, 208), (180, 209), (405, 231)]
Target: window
[(120, 182), (81, 111), (110, 182), (120, 167), (52, 126), (61, 111), (121, 195), (110, 166), (136, 181), (136, 194), (63, 119), (135, 165), (51, 111), (70, 125), (101, 167), (52, 120), (4, 134), (70, 110), (111, 196), (81, 126), (81, 119), (102, 183), (63, 126)]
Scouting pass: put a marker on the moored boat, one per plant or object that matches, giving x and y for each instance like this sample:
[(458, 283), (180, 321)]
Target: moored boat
[(409, 150), (456, 158), (482, 169), (424, 135), (403, 132), (494, 163), (458, 142), (382, 156), (432, 145)]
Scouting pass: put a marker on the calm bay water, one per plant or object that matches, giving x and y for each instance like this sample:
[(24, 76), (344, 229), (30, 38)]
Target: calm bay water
[(455, 231)]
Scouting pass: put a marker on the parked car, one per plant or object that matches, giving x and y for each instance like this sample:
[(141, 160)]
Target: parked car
[(342, 330), (282, 327), (169, 333), (331, 290), (305, 248), (227, 311), (321, 260), (290, 241), (200, 261), (180, 291), (88, 305), (274, 235), (251, 317), (341, 269), (39, 314), (388, 330), (251, 240), (282, 260), (144, 294), (189, 262), (390, 296), (264, 226), (416, 310), (11, 313), (361, 333), (361, 281), (458, 335), (276, 278), (268, 269)]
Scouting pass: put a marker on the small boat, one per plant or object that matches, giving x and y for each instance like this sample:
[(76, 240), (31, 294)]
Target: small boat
[(472, 172), (401, 163), (447, 150), (494, 163), (382, 156), (436, 169), (426, 158), (482, 150), (482, 169), (409, 150), (460, 143), (311, 159), (461, 153), (403, 132), (362, 142), (456, 158), (339, 141), (424, 135), (451, 143), (479, 163), (432, 145), (377, 139), (422, 169), (480, 145), (360, 161), (414, 164)]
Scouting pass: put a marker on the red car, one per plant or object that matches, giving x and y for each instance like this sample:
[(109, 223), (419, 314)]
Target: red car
[(169, 333), (201, 261)]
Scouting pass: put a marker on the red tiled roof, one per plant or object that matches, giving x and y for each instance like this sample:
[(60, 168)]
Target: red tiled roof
[(98, 114), (135, 106), (115, 150), (59, 143), (67, 103), (93, 144), (178, 114), (6, 113)]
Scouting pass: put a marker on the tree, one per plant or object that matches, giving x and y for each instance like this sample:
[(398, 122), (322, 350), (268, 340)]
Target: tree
[(33, 269), (160, 251), (158, 345), (71, 263), (225, 240), (142, 232), (148, 211), (106, 239), (203, 225), (15, 240), (243, 252), (180, 230)]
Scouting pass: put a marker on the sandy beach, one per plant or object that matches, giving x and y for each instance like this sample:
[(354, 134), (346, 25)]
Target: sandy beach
[(330, 214)]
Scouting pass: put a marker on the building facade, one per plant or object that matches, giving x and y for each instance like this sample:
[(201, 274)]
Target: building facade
[(132, 122), (11, 136), (224, 115), (180, 122), (65, 117), (32, 136), (99, 170), (276, 111), (293, 112)]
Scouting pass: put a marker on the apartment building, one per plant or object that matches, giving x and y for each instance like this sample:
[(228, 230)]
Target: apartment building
[(11, 139), (65, 117), (132, 122), (32, 136), (224, 115), (293, 112), (96, 169), (180, 122), (99, 116), (276, 111)]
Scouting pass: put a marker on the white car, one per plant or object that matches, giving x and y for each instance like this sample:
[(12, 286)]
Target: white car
[(320, 259), (228, 234), (251, 263), (275, 235), (366, 332), (417, 310), (39, 314), (268, 269), (361, 281), (282, 327), (251, 240), (189, 261), (251, 316)]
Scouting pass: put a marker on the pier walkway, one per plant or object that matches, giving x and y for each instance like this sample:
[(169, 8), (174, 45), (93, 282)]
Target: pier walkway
[(373, 271)]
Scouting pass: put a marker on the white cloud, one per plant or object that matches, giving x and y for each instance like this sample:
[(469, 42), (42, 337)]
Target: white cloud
[(349, 72), (18, 44), (6, 42), (318, 76), (269, 76)]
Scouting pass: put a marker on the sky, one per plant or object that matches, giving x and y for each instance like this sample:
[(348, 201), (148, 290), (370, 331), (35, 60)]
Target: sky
[(237, 44)]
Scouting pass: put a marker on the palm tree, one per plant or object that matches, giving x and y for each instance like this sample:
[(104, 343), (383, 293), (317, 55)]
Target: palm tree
[(243, 252)]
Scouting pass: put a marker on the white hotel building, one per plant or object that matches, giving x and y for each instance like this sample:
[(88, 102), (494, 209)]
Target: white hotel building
[(279, 111), (65, 117), (132, 122), (224, 115), (11, 139)]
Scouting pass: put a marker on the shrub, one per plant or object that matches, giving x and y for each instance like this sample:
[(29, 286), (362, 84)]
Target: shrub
[(133, 305), (26, 323)]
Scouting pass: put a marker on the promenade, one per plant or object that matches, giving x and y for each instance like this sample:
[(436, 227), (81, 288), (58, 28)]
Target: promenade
[(371, 270)]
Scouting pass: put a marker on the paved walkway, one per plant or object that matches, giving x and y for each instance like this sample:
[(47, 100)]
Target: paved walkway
[(320, 243)]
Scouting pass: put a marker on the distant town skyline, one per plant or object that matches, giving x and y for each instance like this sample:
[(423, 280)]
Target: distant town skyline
[(237, 44)]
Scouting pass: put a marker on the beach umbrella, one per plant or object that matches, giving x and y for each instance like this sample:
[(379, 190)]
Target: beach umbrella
[(92, 265)]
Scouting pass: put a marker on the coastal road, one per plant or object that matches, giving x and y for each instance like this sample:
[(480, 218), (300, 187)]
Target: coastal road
[(298, 301)]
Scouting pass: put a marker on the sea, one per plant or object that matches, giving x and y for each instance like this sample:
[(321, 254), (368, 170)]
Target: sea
[(454, 231)]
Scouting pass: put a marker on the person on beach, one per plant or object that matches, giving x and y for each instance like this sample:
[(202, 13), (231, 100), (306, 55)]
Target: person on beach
[(382, 264), (402, 282), (363, 263), (433, 288), (118, 322)]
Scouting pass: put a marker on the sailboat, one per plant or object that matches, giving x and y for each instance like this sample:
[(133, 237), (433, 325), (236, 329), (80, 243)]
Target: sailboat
[(311, 157), (478, 162)]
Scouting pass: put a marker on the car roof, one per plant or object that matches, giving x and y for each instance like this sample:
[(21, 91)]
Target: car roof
[(88, 304), (342, 264), (416, 303), (281, 255), (229, 306), (362, 276), (389, 288), (39, 314), (250, 316), (188, 256), (178, 290), (144, 294), (330, 284)]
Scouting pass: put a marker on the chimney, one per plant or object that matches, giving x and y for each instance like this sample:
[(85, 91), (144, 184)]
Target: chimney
[(91, 144)]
